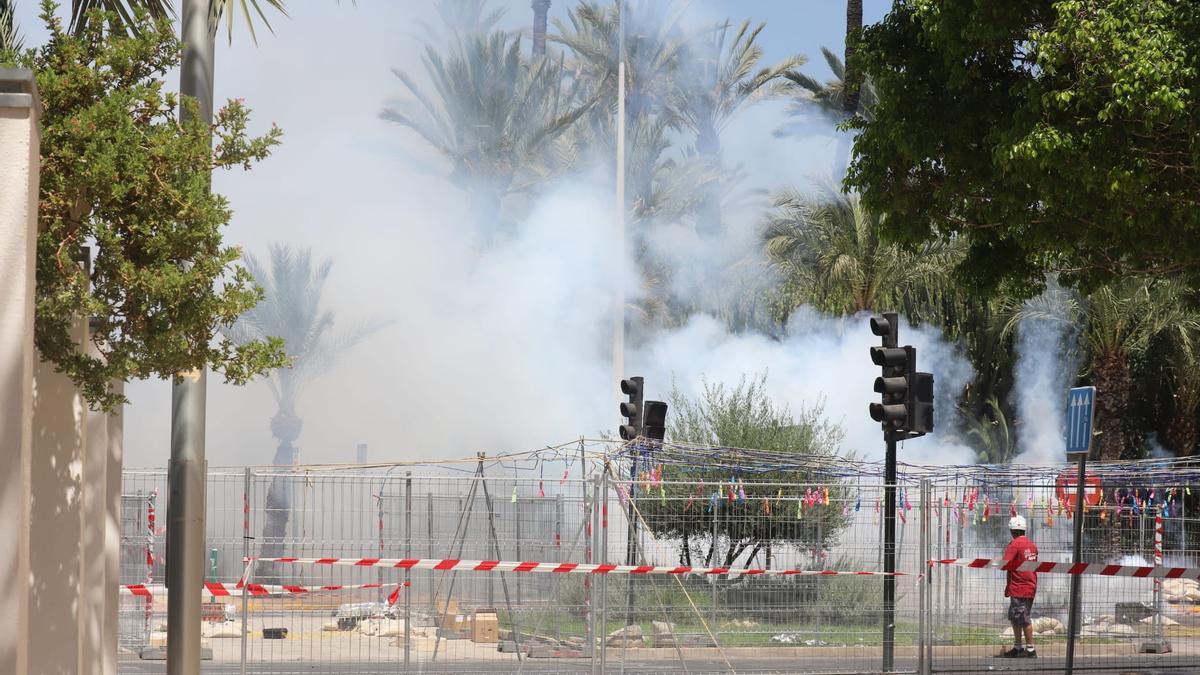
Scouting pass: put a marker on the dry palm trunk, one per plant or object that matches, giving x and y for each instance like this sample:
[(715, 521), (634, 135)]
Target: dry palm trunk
[(1181, 429), (1111, 371)]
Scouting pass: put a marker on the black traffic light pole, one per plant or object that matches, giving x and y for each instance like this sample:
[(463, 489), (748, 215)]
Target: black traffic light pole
[(890, 340), (634, 388), (889, 551), (906, 411)]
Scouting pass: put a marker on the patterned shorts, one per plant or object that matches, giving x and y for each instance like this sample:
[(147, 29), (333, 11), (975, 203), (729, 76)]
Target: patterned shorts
[(1020, 611)]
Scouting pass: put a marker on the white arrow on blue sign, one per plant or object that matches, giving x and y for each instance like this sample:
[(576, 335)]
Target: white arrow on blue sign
[(1081, 408)]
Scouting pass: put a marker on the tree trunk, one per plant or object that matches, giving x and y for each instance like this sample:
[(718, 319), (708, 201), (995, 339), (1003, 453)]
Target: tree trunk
[(285, 426), (1181, 429), (708, 217), (541, 9), (1112, 403), (851, 76)]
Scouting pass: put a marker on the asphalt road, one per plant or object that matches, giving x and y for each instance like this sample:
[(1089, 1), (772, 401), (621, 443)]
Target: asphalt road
[(1147, 664)]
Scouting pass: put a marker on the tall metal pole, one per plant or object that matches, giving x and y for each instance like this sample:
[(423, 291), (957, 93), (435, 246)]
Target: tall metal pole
[(889, 552), (618, 347), (185, 510), (631, 534), (407, 590), (1076, 558), (246, 557)]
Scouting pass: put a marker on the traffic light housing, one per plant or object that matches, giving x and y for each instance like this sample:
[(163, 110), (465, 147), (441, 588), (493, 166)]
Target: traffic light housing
[(893, 385), (906, 395), (920, 403), (654, 421), (632, 409)]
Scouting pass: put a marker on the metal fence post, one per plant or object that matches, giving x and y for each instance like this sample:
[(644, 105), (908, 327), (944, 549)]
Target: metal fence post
[(429, 552), (407, 590), (604, 577), (712, 609), (593, 607), (246, 560), (924, 650)]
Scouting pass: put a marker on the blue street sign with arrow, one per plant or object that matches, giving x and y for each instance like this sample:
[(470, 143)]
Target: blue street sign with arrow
[(1081, 407)]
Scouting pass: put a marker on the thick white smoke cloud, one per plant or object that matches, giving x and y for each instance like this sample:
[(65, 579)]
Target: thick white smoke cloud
[(823, 360), (1047, 361), (504, 348)]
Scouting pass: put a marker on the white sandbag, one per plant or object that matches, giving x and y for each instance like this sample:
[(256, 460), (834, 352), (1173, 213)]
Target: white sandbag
[(1166, 621), (390, 628), (330, 627), (381, 627), (1179, 586), (226, 629), (1045, 625)]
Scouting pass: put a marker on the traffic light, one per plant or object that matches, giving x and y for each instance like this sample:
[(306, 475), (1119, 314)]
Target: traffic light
[(906, 395), (654, 424), (632, 409), (920, 403), (893, 385)]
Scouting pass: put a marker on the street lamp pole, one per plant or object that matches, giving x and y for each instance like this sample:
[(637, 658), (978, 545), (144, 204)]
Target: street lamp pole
[(186, 479), (618, 347)]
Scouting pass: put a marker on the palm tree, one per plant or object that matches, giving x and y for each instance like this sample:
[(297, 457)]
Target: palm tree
[(10, 36), (493, 118), (724, 82), (291, 309), (1181, 434), (992, 433), (829, 100), (1118, 322), (541, 9), (655, 46), (124, 11), (460, 18), (827, 250)]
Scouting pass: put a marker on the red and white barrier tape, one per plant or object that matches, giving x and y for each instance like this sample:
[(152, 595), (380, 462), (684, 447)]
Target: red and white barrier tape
[(1101, 569), (552, 567), (255, 590)]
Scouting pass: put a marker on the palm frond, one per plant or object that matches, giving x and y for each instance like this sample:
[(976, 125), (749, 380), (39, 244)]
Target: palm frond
[(11, 41), (123, 12), (293, 285)]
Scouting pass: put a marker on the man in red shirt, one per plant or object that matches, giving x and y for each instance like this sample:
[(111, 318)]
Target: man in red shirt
[(1020, 589)]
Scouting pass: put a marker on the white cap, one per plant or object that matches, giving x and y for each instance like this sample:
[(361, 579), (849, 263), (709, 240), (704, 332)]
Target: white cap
[(1017, 523)]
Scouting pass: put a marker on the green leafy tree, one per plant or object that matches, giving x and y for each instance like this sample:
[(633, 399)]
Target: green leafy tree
[(1049, 135), (743, 416), (292, 311), (122, 172), (493, 118)]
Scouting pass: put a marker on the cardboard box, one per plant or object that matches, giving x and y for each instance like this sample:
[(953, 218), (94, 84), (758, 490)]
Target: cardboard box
[(451, 620), (485, 626)]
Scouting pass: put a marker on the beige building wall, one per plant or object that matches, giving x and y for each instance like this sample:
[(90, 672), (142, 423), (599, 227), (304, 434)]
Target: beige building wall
[(19, 166), (112, 536), (56, 521)]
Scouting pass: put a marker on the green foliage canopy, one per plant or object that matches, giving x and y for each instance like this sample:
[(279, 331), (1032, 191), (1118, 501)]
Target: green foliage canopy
[(123, 173), (1051, 135)]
